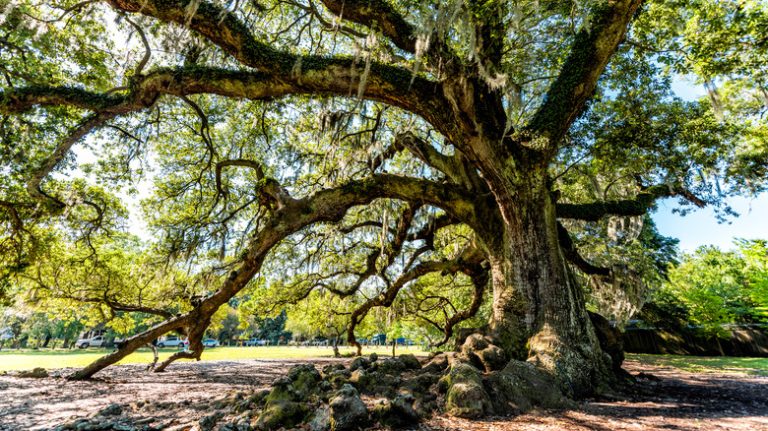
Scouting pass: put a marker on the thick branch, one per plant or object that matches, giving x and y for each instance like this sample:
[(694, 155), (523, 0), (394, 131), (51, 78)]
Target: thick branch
[(591, 50), (325, 206), (379, 15), (330, 206), (572, 253), (130, 345), (306, 74), (638, 206)]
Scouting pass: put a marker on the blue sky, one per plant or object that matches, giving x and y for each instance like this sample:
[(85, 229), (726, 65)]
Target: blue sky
[(701, 227)]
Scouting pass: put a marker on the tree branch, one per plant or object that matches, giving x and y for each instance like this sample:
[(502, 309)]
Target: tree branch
[(480, 281), (591, 50), (572, 254), (34, 184), (451, 166), (378, 15), (467, 262), (307, 74), (638, 206)]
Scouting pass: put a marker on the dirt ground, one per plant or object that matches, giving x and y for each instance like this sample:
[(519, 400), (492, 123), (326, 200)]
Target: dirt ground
[(664, 399)]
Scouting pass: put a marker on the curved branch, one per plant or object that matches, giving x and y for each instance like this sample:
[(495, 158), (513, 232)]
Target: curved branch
[(451, 166), (338, 78), (480, 281), (144, 92), (147, 49), (400, 235), (330, 206), (130, 345), (34, 184), (466, 262), (572, 253), (256, 166), (325, 206), (378, 15)]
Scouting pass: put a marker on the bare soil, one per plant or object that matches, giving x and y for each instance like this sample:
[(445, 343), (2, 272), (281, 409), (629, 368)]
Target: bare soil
[(663, 399)]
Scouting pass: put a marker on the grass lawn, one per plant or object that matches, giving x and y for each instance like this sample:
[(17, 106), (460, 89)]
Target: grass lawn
[(28, 359), (707, 364)]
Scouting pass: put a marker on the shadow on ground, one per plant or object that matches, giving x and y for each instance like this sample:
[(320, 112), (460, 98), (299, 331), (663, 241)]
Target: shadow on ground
[(130, 398)]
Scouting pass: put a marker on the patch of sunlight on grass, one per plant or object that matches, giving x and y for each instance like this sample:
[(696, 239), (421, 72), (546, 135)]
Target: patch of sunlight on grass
[(50, 359), (707, 364)]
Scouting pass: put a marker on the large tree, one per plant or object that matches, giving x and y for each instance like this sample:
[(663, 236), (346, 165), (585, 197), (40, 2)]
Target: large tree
[(355, 147)]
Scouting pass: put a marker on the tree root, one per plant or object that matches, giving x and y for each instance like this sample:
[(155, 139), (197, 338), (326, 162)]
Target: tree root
[(478, 381)]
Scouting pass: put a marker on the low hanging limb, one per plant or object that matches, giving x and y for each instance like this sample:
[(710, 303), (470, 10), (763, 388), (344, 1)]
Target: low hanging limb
[(195, 335), (130, 345), (328, 205)]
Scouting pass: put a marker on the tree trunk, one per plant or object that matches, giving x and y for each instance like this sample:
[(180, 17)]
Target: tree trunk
[(536, 302), (336, 353)]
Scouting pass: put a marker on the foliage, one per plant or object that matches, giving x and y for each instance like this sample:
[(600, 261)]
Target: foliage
[(269, 328), (712, 287)]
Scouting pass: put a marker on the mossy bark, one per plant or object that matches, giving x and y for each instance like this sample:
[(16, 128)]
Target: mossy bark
[(538, 310)]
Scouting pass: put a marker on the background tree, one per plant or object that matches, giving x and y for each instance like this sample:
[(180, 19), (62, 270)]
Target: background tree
[(262, 327), (718, 287)]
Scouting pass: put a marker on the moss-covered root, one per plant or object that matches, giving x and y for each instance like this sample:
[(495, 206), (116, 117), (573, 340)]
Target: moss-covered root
[(465, 395), (481, 381), (288, 403), (520, 386), (579, 369)]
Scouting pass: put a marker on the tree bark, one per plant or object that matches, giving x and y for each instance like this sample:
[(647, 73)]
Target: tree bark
[(130, 345)]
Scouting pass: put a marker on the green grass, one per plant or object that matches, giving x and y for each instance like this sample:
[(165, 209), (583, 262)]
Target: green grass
[(707, 364), (49, 359)]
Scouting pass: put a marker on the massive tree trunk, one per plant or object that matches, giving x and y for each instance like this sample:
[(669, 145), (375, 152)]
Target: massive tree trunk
[(538, 308)]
